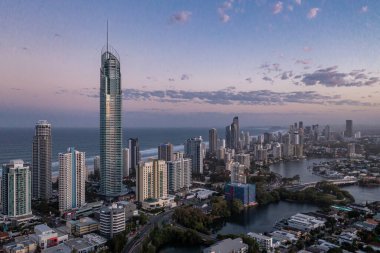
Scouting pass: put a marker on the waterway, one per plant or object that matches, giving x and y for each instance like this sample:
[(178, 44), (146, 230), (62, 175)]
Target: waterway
[(263, 218)]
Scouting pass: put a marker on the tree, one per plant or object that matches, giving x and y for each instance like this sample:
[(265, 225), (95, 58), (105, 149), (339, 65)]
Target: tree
[(236, 206)]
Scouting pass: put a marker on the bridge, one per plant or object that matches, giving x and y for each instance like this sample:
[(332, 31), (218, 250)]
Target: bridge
[(338, 182)]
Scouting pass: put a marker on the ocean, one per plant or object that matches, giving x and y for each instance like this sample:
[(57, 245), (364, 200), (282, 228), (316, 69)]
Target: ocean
[(16, 143)]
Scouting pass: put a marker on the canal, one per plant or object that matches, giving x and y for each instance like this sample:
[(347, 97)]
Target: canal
[(262, 218)]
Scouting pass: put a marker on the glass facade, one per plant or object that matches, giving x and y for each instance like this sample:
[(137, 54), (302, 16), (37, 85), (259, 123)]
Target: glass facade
[(111, 157)]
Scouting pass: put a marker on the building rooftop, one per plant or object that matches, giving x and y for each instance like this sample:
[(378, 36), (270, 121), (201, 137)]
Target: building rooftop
[(43, 229), (78, 244), (61, 248), (226, 246)]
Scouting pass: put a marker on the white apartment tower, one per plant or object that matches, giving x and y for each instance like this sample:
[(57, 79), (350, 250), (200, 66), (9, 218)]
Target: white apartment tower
[(72, 175), (179, 173), (152, 180)]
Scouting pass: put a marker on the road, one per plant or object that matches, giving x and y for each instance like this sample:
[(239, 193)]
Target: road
[(134, 245)]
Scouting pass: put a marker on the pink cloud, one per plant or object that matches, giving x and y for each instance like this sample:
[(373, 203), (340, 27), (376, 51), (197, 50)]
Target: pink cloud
[(277, 8), (313, 12), (364, 9)]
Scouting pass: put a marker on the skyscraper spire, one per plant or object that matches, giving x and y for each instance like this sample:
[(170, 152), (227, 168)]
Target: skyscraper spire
[(107, 35)]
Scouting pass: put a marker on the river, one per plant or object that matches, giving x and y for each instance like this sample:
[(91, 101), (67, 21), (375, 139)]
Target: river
[(262, 218)]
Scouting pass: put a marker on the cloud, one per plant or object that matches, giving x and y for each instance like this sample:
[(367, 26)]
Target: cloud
[(290, 7), (271, 67), (185, 77), (249, 80), (313, 12), (364, 9), (223, 16), (181, 17), (277, 8), (267, 79), (297, 2), (232, 96), (303, 61), (331, 77), (171, 79), (286, 75), (307, 49), (57, 35)]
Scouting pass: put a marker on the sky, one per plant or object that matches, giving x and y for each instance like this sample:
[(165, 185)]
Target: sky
[(192, 62)]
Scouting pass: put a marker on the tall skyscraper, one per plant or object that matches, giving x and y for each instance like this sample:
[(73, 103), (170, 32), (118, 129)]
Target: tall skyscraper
[(111, 157), (134, 150), (233, 134), (152, 180), (213, 140), (165, 152), (349, 131), (41, 161), (72, 179), (97, 164), (193, 150), (16, 189), (126, 162), (179, 173)]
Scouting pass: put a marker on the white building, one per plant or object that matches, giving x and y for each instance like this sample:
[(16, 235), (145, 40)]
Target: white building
[(72, 179), (238, 173), (276, 151), (152, 179), (227, 246), (179, 173), (45, 237), (305, 222), (112, 220), (264, 242), (243, 159), (126, 162)]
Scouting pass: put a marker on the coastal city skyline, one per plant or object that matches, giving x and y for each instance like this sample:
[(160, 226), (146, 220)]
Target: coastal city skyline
[(267, 60), (245, 126)]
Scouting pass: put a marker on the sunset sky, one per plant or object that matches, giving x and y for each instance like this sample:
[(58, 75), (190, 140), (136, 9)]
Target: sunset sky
[(192, 62)]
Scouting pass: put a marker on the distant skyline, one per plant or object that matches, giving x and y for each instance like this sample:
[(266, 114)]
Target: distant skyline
[(192, 63)]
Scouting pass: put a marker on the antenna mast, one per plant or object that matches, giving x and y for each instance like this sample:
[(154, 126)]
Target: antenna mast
[(107, 35)]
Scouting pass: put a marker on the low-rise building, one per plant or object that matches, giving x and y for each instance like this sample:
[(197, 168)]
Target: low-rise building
[(129, 207), (23, 246), (228, 246), (89, 243), (283, 236), (150, 204), (347, 237), (305, 222), (82, 226), (46, 237), (264, 242)]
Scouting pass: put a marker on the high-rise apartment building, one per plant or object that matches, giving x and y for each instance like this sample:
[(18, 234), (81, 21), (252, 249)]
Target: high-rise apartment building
[(126, 162), (243, 159), (134, 151), (238, 173), (179, 173), (111, 157), (16, 189), (41, 161), (152, 180), (194, 151), (72, 179), (349, 130), (213, 140), (165, 152), (97, 164)]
